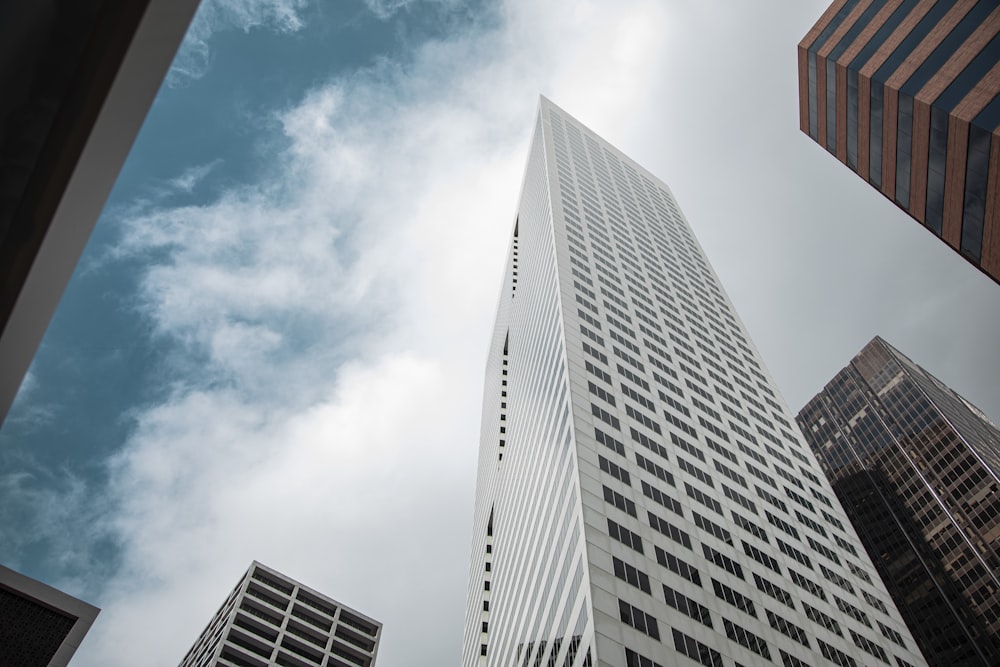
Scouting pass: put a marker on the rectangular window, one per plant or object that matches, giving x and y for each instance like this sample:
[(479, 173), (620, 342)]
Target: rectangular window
[(638, 619), (735, 598), (723, 561), (677, 566), (746, 638), (695, 650), (632, 575), (687, 606)]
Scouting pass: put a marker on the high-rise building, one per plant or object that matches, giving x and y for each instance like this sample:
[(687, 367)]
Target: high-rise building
[(643, 495), (905, 93), (40, 626), (270, 619), (917, 468)]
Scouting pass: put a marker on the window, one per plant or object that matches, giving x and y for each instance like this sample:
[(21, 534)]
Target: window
[(625, 536), (609, 442), (614, 470), (687, 606), (781, 524), (661, 498), (818, 617), (891, 634), (836, 578), (806, 584), (656, 470), (633, 659), (605, 416), (712, 527), (787, 628), (695, 650), (601, 393), (677, 566), (705, 500), (868, 645), (723, 561), (618, 500), (746, 638), (852, 611), (632, 575), (733, 597), (695, 472), (638, 619), (778, 593), (761, 557), (670, 530), (792, 552), (835, 655), (743, 501)]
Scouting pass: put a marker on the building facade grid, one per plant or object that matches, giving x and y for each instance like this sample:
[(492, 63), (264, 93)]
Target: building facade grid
[(270, 619), (918, 469), (643, 492)]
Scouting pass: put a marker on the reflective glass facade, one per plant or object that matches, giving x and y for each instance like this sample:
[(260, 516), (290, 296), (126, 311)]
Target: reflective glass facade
[(918, 470), (644, 497), (906, 93)]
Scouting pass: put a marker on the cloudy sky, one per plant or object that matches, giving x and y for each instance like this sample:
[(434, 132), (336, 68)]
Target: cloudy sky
[(274, 343)]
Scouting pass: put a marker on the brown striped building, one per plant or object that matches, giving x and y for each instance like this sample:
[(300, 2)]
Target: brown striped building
[(905, 93)]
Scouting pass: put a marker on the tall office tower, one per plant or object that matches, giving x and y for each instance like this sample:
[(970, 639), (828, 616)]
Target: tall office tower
[(270, 619), (644, 497), (905, 93), (918, 470), (40, 626)]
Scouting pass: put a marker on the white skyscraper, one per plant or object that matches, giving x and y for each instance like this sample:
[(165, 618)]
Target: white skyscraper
[(644, 497)]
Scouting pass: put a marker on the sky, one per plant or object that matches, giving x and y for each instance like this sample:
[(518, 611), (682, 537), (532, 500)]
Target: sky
[(273, 346)]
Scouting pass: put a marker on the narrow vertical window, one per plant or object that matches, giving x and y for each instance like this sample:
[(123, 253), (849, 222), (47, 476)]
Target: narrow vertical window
[(937, 154), (875, 138), (976, 175), (831, 105), (904, 149), (852, 119), (813, 114)]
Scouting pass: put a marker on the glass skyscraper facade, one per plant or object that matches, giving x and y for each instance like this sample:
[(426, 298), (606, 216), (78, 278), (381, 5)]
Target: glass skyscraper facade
[(918, 469), (643, 495)]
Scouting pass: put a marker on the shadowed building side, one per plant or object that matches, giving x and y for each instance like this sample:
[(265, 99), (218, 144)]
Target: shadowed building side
[(40, 626)]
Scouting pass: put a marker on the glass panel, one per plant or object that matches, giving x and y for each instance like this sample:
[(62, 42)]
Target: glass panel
[(875, 138), (904, 149), (937, 155), (976, 175)]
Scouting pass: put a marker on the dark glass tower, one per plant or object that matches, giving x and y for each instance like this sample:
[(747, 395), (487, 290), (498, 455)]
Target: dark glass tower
[(905, 93), (917, 468)]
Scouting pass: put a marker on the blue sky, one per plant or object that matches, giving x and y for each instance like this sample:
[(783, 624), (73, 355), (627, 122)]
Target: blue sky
[(273, 345)]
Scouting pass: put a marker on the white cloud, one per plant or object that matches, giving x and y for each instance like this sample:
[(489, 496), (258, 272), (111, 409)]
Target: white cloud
[(337, 313), (193, 176), (378, 236)]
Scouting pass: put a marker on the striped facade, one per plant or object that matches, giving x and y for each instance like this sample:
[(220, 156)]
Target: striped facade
[(904, 92)]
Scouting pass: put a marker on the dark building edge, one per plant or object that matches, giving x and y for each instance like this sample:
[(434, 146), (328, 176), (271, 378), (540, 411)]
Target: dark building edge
[(97, 68)]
